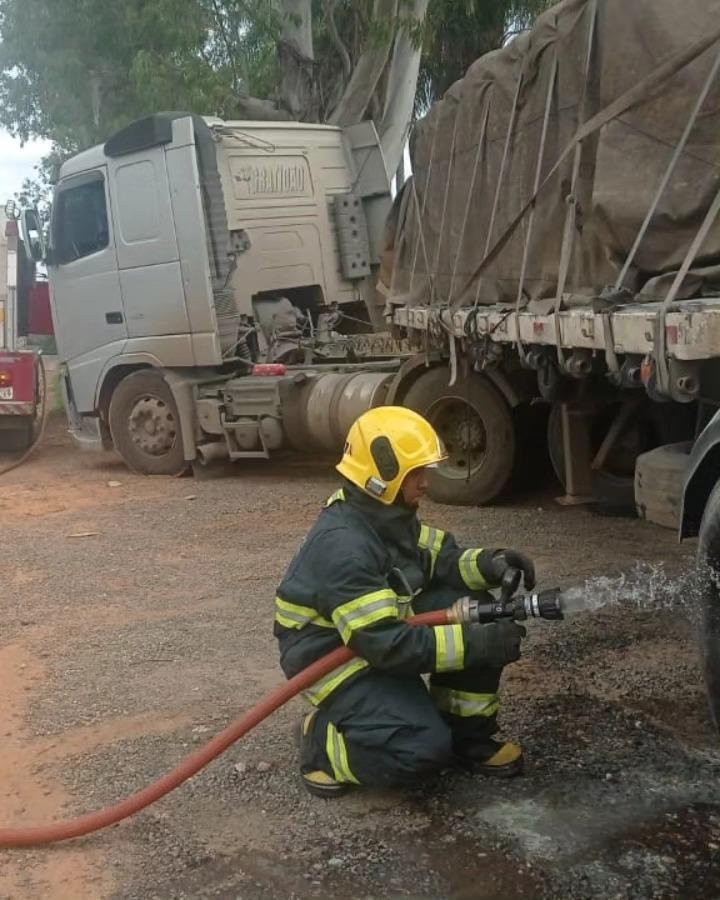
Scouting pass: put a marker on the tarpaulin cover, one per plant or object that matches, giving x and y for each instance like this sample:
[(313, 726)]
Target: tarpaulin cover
[(478, 150)]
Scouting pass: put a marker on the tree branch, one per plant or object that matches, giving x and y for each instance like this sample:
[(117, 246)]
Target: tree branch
[(226, 41), (296, 59), (337, 40), (514, 32), (295, 18), (375, 108), (401, 89), (368, 70)]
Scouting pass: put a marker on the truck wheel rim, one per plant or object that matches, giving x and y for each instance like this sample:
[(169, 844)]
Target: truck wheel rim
[(463, 433), (152, 426)]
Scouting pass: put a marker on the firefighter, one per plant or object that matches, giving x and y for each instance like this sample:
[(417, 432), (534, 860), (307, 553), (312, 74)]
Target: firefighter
[(368, 563)]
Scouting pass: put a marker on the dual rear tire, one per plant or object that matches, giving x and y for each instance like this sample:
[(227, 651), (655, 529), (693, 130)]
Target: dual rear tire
[(476, 425)]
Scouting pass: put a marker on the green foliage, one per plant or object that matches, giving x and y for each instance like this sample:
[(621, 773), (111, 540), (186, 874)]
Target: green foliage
[(75, 71), (457, 32), (35, 192), (240, 41)]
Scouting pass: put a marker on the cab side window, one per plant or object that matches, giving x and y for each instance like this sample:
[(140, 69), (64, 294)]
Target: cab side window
[(80, 222)]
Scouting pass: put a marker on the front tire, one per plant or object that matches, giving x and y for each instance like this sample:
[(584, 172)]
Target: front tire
[(145, 425), (476, 425), (709, 592)]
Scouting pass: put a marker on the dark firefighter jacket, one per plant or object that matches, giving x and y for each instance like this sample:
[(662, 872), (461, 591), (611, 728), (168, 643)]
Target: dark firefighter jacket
[(353, 580)]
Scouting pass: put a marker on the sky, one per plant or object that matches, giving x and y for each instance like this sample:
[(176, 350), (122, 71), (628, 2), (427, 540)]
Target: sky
[(16, 163)]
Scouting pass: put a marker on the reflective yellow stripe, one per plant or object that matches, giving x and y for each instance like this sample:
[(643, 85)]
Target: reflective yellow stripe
[(285, 621), (333, 498), (449, 648), (364, 611), (431, 539), (469, 571), (322, 689), (293, 615), (337, 754), (464, 703)]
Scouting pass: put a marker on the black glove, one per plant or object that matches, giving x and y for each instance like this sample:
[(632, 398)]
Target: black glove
[(493, 564), (494, 645)]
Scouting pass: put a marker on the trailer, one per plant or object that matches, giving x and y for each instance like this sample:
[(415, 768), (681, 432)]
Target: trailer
[(543, 285), (558, 249), (594, 373)]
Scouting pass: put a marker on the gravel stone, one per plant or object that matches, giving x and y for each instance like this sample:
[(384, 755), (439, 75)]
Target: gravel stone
[(121, 652)]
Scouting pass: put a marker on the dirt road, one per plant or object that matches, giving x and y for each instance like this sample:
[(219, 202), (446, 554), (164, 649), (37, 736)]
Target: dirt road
[(135, 621)]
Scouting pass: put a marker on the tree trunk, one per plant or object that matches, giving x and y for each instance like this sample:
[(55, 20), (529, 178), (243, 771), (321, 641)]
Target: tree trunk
[(400, 94), (297, 59), (96, 98), (368, 70)]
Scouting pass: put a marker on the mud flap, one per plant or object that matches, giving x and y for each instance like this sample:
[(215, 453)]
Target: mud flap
[(183, 391)]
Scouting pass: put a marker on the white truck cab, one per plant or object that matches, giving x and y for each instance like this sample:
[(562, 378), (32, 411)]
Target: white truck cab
[(169, 243)]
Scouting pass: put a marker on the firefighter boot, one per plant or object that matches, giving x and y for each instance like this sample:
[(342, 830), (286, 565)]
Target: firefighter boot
[(494, 758), (316, 781)]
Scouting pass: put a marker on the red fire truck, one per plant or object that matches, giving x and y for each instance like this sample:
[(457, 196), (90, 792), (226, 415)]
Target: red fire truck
[(19, 364)]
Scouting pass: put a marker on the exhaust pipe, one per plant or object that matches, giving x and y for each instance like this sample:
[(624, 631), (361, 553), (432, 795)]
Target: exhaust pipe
[(212, 452)]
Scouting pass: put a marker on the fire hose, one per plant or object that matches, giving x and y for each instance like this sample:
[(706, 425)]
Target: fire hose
[(467, 610)]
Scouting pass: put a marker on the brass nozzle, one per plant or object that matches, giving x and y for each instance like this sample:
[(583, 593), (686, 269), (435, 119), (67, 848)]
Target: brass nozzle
[(460, 612)]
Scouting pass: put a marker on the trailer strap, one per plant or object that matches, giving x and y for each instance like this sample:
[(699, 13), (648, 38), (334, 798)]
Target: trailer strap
[(634, 95)]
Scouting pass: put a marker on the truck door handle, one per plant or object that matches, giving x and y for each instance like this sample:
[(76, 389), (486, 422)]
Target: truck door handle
[(114, 318)]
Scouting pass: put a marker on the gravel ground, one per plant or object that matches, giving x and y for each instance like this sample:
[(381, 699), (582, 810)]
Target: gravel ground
[(135, 622)]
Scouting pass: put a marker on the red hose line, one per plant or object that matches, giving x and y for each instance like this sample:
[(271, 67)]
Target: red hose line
[(111, 815)]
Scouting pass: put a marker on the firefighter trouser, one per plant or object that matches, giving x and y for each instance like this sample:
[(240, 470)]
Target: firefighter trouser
[(386, 729)]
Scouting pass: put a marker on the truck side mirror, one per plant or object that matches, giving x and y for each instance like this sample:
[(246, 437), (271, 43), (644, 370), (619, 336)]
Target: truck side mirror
[(32, 234)]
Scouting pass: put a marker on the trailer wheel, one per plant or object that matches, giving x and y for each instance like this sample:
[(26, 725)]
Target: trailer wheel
[(475, 423), (145, 425), (709, 594)]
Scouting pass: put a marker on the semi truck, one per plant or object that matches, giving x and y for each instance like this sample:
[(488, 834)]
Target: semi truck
[(544, 283), (199, 271)]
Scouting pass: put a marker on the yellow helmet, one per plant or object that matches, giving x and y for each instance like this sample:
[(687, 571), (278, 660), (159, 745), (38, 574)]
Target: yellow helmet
[(383, 445)]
